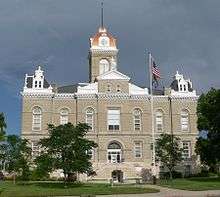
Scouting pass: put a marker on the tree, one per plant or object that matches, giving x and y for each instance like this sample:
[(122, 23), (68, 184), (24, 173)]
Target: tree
[(18, 154), (208, 111), (3, 126), (66, 148), (168, 151)]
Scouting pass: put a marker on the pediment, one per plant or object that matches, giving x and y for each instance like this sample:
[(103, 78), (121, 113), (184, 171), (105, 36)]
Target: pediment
[(113, 74)]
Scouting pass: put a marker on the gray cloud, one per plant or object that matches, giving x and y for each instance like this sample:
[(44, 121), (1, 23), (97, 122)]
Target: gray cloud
[(182, 35)]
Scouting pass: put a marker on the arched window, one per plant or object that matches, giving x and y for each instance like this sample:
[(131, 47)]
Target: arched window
[(36, 119), (159, 121), (64, 116), (114, 152), (90, 118), (137, 119), (103, 66), (184, 120)]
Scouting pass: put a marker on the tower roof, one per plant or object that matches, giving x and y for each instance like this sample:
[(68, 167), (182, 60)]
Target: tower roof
[(102, 33)]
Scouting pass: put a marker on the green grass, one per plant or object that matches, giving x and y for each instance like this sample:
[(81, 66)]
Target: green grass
[(43, 189), (194, 184)]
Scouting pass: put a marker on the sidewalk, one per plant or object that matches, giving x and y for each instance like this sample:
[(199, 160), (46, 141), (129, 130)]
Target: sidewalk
[(167, 192)]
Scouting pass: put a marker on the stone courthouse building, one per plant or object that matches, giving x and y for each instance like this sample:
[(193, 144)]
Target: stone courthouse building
[(118, 112)]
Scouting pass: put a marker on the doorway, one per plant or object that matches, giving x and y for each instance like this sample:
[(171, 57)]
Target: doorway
[(117, 176)]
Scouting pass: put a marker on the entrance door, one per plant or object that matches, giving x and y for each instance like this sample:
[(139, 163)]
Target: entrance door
[(117, 176)]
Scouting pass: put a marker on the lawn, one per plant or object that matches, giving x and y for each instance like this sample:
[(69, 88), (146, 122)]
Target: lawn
[(43, 189), (194, 184)]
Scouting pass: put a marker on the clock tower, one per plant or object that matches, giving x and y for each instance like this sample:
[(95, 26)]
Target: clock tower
[(102, 54)]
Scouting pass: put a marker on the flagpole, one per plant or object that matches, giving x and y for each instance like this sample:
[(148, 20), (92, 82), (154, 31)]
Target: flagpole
[(152, 114)]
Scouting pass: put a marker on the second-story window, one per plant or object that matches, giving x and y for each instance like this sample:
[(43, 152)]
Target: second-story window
[(36, 119), (90, 118), (159, 121), (184, 120), (64, 116), (113, 119), (137, 119)]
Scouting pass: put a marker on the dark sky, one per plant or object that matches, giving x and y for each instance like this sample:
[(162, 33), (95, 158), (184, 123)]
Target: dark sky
[(183, 35)]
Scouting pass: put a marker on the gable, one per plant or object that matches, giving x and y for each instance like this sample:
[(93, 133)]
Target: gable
[(113, 75)]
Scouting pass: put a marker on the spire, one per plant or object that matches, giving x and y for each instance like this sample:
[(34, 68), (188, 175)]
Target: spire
[(102, 15)]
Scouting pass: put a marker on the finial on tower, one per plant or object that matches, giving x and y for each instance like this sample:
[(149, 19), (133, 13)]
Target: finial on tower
[(102, 14)]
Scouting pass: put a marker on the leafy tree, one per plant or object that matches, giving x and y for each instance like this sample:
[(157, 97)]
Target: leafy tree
[(18, 155), (66, 148), (208, 111), (168, 151), (3, 126)]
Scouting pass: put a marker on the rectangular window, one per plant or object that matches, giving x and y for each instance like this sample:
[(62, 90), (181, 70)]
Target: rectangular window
[(40, 84), (159, 122), (184, 122), (35, 84), (186, 145), (113, 119), (36, 126), (138, 149)]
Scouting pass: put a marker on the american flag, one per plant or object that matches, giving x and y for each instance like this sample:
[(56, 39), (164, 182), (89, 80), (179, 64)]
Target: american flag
[(155, 70)]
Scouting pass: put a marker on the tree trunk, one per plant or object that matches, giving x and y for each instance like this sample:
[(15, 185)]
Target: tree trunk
[(14, 176), (171, 176)]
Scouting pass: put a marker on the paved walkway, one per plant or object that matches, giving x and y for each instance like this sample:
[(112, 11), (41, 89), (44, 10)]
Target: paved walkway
[(168, 192)]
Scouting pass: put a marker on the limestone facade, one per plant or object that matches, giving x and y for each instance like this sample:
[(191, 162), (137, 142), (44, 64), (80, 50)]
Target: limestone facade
[(109, 91)]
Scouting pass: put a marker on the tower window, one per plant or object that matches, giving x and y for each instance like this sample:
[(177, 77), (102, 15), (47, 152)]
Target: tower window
[(35, 84), (40, 84), (103, 66), (36, 119)]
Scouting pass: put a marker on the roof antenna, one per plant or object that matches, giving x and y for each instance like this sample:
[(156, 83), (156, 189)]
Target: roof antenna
[(102, 15)]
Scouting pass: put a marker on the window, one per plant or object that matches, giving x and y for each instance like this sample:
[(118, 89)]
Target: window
[(35, 149), (103, 66), (90, 118), (35, 84), (64, 116), (113, 119), (186, 149), (114, 153), (36, 121), (137, 119), (184, 120), (118, 88), (138, 149), (108, 88), (40, 83), (90, 153), (159, 121)]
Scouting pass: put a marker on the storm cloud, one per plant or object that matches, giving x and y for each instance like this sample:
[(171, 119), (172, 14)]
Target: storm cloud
[(183, 35)]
